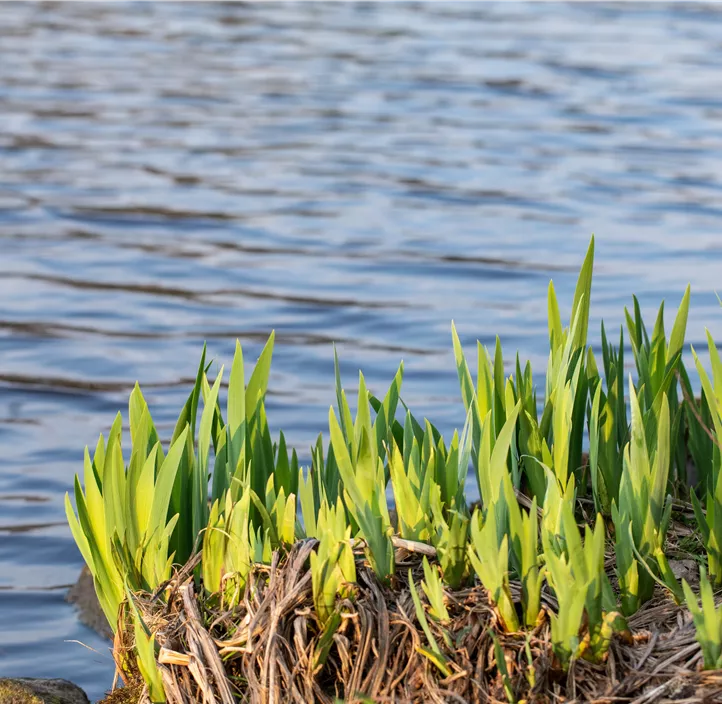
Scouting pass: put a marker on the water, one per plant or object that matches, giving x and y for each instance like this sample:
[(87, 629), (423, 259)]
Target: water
[(353, 173)]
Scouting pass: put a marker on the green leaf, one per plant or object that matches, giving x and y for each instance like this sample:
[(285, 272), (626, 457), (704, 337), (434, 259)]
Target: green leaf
[(164, 483), (80, 540), (143, 495), (582, 298), (236, 428), (146, 655), (502, 668), (199, 488), (434, 654), (555, 319), (676, 339), (434, 590), (465, 380), (258, 383), (114, 489), (594, 448)]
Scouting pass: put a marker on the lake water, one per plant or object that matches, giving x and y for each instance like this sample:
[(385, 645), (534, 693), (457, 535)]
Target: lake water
[(174, 173)]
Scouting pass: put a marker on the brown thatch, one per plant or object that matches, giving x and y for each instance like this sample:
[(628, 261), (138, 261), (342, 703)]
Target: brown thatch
[(263, 651)]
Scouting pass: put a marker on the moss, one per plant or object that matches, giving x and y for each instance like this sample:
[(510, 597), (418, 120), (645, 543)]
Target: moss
[(12, 692), (130, 694), (32, 691)]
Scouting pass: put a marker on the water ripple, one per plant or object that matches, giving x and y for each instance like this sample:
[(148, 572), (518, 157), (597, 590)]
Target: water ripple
[(349, 173)]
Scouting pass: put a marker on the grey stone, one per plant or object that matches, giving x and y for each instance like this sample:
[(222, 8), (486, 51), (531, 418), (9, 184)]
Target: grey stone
[(685, 569), (35, 691), (82, 594)]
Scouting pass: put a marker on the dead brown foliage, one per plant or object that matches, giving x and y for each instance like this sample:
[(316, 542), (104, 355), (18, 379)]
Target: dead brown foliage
[(263, 651)]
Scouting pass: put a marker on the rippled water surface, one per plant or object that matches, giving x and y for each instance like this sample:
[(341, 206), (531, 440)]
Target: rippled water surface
[(353, 173)]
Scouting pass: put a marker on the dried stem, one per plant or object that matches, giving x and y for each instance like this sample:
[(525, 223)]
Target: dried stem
[(264, 650)]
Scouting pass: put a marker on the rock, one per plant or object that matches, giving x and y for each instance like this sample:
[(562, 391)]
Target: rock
[(82, 594), (685, 569), (32, 691)]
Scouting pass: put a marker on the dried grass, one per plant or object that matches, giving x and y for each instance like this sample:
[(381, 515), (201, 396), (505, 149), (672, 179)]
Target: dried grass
[(262, 652)]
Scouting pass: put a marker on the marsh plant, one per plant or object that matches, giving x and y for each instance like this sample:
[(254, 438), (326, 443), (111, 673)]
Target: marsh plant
[(225, 497)]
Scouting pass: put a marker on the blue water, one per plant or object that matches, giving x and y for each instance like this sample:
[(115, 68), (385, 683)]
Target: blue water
[(173, 173)]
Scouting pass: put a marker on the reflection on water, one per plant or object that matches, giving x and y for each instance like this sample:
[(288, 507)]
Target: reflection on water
[(173, 173)]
